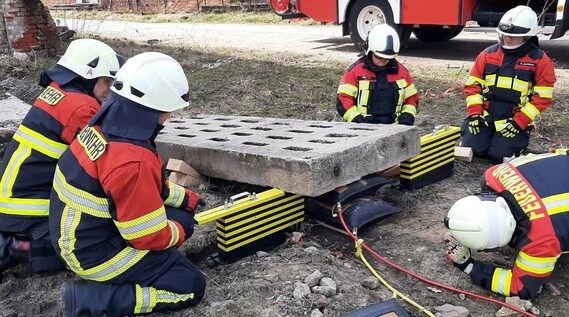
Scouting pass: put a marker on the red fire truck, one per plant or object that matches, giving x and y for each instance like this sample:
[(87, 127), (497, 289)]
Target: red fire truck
[(429, 20)]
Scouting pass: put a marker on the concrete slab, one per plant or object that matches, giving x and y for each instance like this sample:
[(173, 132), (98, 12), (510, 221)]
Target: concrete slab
[(301, 157), (12, 112)]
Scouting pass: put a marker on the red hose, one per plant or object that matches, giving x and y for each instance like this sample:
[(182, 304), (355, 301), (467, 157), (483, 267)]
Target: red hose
[(426, 280)]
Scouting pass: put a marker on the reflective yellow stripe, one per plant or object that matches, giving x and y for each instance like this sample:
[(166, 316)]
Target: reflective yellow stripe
[(39, 142), (24, 206), (364, 96), (500, 124), (148, 297), (69, 221), (143, 226), (473, 100), (521, 86), (544, 91), (519, 161), (501, 281), (490, 80), (536, 265), (557, 203), (472, 80), (348, 89), (504, 82), (175, 234), (175, 196), (410, 91), (351, 114), (531, 111), (409, 109), (79, 199), (20, 155)]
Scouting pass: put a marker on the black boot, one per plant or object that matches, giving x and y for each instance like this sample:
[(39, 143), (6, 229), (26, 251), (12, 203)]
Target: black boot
[(12, 250), (71, 308), (82, 298)]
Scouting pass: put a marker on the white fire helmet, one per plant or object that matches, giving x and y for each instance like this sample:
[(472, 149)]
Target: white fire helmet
[(90, 59), (520, 21), (383, 41), (154, 80), (481, 221)]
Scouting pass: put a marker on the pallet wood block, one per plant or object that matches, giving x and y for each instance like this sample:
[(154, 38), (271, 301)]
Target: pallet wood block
[(390, 172), (463, 153), (175, 165), (183, 179)]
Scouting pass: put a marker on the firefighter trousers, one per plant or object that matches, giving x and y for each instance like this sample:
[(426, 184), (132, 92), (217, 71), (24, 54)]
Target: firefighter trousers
[(491, 144)]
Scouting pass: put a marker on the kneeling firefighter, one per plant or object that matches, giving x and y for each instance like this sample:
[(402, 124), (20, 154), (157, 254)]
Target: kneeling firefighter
[(114, 218)]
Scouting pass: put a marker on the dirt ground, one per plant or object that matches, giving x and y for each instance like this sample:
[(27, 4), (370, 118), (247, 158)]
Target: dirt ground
[(237, 83)]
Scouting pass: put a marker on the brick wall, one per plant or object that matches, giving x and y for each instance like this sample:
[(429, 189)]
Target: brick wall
[(145, 6), (27, 26)]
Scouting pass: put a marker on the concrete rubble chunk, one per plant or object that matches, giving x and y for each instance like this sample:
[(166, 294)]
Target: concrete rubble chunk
[(301, 290), (313, 279), (308, 158), (448, 310), (12, 112)]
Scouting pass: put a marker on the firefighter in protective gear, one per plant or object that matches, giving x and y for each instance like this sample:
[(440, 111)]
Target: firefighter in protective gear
[(114, 218), (73, 91), (510, 84), (523, 205), (377, 88)]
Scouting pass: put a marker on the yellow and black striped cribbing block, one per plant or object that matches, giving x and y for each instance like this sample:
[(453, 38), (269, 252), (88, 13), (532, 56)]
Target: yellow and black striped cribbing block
[(436, 161), (257, 222)]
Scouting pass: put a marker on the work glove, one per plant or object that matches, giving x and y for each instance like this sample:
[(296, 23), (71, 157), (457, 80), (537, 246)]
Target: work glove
[(476, 121), (368, 119), (458, 254), (193, 200), (510, 129), (359, 119), (406, 119)]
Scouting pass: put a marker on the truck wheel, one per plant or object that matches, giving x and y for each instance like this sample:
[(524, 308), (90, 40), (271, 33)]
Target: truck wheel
[(437, 33), (366, 14)]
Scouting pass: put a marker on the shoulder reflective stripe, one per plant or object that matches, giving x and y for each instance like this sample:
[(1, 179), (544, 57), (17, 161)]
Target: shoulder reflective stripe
[(69, 221), (143, 226), (544, 91), (39, 142), (51, 96), (351, 114), (146, 298), (557, 203), (175, 195), (501, 281), (472, 80), (519, 161), (531, 111), (175, 234), (401, 83), (472, 100), (536, 265), (348, 89), (410, 90), (79, 199), (24, 206), (504, 82), (409, 109), (8, 179)]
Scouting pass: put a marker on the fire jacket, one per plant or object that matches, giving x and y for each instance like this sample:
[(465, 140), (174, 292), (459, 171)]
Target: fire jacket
[(537, 195), (365, 91), (511, 83), (107, 207), (29, 163)]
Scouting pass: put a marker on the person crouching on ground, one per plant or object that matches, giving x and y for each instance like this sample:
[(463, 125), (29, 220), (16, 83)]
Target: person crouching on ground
[(114, 218), (377, 88)]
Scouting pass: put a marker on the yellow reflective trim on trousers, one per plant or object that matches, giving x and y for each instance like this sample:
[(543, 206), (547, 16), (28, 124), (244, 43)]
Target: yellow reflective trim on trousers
[(502, 281), (544, 91), (530, 110), (175, 195), (348, 89), (70, 219), (79, 199), (409, 109), (556, 204), (472, 100), (351, 114), (473, 80), (175, 234), (146, 298), (8, 179), (39, 142), (536, 265), (142, 226)]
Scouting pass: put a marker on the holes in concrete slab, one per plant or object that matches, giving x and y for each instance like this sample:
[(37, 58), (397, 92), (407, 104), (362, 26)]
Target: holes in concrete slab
[(222, 119), (187, 135), (281, 123), (362, 129), (278, 137), (209, 130), (201, 123), (403, 144), (181, 128), (175, 121), (320, 126), (340, 135), (297, 148), (255, 143), (322, 141), (196, 118), (250, 121), (219, 139), (230, 126), (300, 131), (161, 132), (241, 134), (261, 128)]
